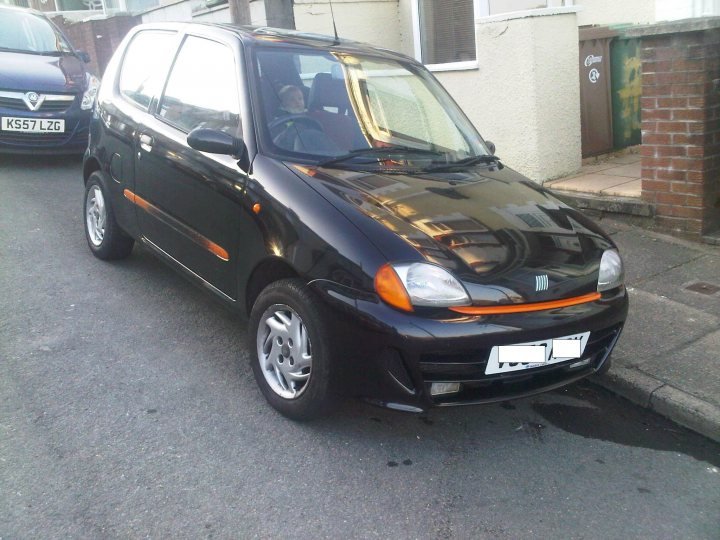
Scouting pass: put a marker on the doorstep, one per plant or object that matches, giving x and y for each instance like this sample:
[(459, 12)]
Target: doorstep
[(608, 184)]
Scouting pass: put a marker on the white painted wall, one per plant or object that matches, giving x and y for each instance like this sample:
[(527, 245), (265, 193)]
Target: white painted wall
[(670, 10), (179, 11), (370, 21), (616, 11), (525, 96), (182, 11)]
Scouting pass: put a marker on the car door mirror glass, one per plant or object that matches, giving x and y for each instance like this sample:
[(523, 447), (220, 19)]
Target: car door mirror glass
[(490, 146)]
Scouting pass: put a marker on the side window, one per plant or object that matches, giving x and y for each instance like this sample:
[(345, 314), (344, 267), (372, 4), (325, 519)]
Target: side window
[(144, 64), (202, 88)]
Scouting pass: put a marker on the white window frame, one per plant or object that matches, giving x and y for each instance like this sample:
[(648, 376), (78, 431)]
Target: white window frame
[(481, 8)]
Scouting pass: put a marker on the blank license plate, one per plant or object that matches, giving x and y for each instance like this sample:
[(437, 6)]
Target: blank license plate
[(506, 358), (32, 125)]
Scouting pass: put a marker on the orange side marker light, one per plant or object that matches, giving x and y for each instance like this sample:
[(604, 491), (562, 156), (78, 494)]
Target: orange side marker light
[(391, 289), (256, 208)]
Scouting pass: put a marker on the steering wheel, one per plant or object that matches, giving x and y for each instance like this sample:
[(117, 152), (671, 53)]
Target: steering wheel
[(303, 119)]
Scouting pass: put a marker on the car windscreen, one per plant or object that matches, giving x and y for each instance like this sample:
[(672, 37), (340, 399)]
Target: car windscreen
[(29, 33), (320, 106)]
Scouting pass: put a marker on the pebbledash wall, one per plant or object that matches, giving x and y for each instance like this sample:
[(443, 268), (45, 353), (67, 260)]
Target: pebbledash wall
[(524, 94)]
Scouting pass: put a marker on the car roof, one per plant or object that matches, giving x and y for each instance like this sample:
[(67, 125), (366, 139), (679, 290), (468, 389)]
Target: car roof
[(282, 37)]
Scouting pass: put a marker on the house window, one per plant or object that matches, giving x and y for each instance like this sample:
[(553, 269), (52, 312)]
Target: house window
[(447, 31)]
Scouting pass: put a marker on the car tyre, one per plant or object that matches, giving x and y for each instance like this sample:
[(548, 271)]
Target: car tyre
[(104, 236), (291, 350)]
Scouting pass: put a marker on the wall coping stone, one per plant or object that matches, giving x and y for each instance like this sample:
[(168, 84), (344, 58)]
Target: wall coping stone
[(538, 12), (697, 24)]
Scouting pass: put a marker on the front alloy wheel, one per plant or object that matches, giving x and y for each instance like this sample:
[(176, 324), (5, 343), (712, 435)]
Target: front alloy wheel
[(284, 351), (292, 359)]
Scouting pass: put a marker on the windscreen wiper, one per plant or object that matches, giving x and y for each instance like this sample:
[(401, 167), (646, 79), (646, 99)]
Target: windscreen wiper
[(385, 152), (472, 160)]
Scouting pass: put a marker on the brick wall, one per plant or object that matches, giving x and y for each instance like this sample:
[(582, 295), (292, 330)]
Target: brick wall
[(98, 37), (681, 129)]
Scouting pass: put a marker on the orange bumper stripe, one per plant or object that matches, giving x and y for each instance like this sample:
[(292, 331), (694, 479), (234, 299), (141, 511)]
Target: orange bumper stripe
[(525, 308), (195, 236)]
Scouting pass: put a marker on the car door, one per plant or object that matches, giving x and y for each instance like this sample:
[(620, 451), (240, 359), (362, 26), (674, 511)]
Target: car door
[(190, 200), (140, 77)]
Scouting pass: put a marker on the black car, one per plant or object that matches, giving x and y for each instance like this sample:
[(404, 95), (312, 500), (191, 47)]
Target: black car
[(336, 195), (46, 93)]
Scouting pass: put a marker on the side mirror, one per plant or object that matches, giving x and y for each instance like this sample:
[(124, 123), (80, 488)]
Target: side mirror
[(491, 146), (214, 141), (85, 57)]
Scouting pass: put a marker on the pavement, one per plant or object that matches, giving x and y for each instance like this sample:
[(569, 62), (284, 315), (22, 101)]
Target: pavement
[(668, 358)]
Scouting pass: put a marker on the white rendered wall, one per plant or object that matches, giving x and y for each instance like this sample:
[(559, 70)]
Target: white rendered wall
[(525, 96), (616, 11), (671, 10), (370, 21), (182, 11)]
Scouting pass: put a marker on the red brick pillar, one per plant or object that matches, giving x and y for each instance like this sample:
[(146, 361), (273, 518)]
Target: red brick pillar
[(681, 124)]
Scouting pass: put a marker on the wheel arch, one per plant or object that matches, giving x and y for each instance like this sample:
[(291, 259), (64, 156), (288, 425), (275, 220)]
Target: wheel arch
[(90, 166), (266, 272)]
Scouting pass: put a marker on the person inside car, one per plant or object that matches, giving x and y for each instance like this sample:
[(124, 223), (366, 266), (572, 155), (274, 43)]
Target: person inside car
[(293, 128), (292, 100)]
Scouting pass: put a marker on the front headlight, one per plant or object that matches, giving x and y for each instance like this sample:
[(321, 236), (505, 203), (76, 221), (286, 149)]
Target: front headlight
[(88, 99), (419, 284), (611, 271)]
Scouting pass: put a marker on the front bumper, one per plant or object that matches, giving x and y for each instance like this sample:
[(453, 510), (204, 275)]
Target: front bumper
[(392, 358)]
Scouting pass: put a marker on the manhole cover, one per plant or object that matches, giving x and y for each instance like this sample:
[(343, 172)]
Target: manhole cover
[(703, 288)]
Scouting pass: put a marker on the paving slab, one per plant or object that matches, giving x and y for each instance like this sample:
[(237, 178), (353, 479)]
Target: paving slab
[(627, 158), (631, 170), (589, 183), (646, 255), (673, 283), (695, 364), (633, 188)]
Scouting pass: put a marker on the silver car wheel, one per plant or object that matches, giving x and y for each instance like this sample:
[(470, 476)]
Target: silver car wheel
[(284, 351), (95, 216)]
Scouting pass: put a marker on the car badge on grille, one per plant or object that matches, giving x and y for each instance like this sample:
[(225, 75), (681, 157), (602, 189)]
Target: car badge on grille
[(33, 100), (541, 282)]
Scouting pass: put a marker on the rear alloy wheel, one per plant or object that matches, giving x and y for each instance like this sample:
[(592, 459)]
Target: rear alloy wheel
[(291, 358), (104, 236)]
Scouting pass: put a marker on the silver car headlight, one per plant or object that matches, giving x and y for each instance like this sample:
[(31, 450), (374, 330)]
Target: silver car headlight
[(88, 99), (611, 271), (405, 285)]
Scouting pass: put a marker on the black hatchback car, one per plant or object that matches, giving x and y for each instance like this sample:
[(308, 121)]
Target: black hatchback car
[(336, 195)]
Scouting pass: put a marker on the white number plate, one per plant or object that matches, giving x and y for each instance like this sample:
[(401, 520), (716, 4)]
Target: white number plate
[(506, 358), (32, 125)]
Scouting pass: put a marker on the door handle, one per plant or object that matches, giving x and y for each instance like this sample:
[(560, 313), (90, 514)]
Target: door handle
[(146, 142)]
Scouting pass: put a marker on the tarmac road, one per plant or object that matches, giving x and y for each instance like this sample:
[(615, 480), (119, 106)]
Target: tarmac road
[(128, 410)]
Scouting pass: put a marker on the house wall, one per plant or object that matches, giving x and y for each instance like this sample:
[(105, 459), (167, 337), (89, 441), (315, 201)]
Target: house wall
[(616, 11), (370, 21), (525, 95)]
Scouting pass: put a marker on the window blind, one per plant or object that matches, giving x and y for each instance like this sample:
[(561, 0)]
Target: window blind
[(447, 31)]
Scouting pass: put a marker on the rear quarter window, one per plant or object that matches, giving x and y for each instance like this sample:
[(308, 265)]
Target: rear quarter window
[(144, 66)]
